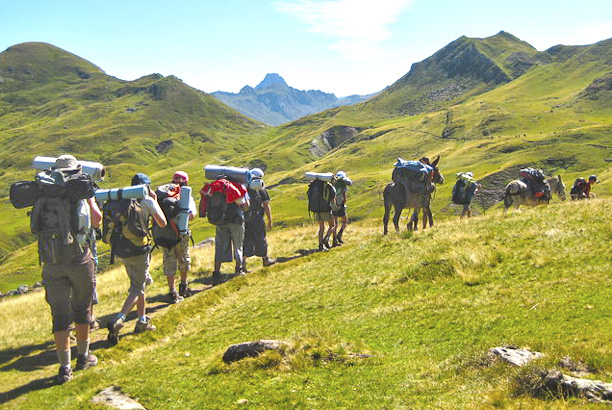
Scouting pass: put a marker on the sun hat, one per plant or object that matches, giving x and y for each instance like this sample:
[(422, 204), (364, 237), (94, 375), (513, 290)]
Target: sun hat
[(66, 163), (341, 174)]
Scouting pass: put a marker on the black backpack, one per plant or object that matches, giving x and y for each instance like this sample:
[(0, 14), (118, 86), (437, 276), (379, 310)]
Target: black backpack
[(168, 236), (217, 208), (319, 196), (459, 190), (125, 228)]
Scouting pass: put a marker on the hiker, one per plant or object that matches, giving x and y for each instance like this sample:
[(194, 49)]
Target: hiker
[(582, 188), (255, 243), (321, 194), (224, 203), (341, 185), (463, 192), (66, 257), (177, 256), (136, 266)]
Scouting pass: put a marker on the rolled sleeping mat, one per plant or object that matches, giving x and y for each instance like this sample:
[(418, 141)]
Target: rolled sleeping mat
[(129, 192), (182, 220), (240, 175), (95, 170), (323, 176), (257, 184)]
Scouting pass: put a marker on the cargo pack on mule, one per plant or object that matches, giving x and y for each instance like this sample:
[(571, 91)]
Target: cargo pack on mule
[(414, 175), (536, 182), (124, 224), (60, 215)]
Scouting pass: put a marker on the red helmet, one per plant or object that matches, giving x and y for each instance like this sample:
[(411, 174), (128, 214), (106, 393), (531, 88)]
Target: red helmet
[(180, 176)]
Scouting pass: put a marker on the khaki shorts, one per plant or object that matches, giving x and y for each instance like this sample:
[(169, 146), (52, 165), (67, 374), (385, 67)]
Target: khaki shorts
[(323, 216), (229, 240), (177, 257), (137, 268), (68, 291)]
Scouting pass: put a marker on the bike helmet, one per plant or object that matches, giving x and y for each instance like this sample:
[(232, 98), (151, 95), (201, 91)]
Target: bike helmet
[(593, 178), (180, 176)]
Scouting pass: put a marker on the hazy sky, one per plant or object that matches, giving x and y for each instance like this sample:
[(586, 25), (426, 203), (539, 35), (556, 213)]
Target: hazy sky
[(338, 46)]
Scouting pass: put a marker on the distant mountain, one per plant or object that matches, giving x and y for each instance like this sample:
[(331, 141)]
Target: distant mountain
[(273, 102)]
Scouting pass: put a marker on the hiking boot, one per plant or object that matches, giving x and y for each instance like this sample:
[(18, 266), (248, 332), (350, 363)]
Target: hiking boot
[(340, 241), (239, 271), (64, 375), (216, 278), (175, 297), (114, 328), (94, 325), (85, 361), (184, 290), (335, 243), (326, 242), (144, 326), (268, 261)]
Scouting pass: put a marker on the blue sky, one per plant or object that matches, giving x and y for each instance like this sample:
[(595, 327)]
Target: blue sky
[(338, 46)]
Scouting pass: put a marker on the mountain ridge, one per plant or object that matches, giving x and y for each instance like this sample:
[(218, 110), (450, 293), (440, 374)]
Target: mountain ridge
[(274, 102)]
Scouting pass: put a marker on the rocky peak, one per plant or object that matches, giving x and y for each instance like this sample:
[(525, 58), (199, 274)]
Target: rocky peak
[(271, 80)]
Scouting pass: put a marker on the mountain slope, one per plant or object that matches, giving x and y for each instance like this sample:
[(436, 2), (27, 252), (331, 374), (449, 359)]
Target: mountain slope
[(273, 102), (53, 102)]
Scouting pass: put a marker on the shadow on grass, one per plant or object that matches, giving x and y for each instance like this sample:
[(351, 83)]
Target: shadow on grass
[(38, 384), (10, 354), (301, 254)]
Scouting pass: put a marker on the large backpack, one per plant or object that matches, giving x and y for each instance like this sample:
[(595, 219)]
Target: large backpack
[(319, 196), (216, 208), (167, 197), (60, 216), (126, 228), (459, 191)]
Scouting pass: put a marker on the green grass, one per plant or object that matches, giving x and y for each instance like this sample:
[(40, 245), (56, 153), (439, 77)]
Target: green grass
[(425, 306)]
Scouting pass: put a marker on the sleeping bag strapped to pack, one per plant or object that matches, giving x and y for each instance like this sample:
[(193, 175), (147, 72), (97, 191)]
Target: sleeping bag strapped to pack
[(125, 228), (168, 198), (320, 195)]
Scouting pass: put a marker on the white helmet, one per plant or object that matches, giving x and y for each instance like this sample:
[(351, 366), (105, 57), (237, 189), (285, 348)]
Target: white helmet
[(469, 174), (257, 173), (341, 174)]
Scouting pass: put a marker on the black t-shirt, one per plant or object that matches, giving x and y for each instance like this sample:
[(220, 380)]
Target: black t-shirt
[(257, 200)]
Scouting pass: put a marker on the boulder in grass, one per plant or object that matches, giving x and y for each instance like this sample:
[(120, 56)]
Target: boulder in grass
[(115, 398), (251, 349), (515, 356)]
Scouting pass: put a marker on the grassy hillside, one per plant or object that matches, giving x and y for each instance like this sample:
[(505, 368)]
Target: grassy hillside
[(550, 110), (397, 322), (53, 102)]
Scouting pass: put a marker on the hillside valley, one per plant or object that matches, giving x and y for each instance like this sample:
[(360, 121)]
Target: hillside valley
[(488, 105)]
